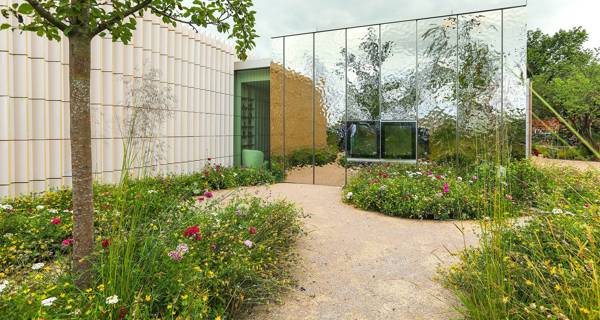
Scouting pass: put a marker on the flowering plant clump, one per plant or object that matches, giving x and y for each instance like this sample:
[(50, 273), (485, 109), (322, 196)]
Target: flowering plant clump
[(158, 254), (440, 192), (544, 266)]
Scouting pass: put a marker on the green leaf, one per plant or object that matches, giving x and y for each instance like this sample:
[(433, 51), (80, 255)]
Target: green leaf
[(4, 26), (25, 8)]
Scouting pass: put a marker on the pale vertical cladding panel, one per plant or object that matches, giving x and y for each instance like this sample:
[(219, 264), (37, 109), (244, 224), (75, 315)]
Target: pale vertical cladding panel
[(19, 97), (105, 168), (5, 117), (53, 80), (37, 114), (34, 103), (184, 101)]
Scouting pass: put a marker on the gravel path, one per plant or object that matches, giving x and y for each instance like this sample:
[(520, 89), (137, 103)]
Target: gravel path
[(364, 265)]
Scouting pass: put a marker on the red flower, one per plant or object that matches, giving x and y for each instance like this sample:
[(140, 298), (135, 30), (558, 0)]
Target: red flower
[(208, 194), (67, 242), (191, 231), (252, 230), (198, 237), (55, 220), (209, 159), (105, 243), (199, 200)]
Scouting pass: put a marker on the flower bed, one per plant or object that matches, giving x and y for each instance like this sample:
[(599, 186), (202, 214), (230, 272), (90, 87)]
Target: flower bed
[(549, 268), (434, 192), (439, 192), (543, 267), (165, 248)]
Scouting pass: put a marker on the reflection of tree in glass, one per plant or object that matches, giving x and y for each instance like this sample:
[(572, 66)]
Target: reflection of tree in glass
[(463, 73), (363, 87), (478, 81)]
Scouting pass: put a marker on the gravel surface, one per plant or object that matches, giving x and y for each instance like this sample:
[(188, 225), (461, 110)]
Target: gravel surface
[(364, 265)]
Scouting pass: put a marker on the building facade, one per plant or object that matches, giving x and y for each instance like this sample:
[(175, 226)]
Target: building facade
[(195, 68)]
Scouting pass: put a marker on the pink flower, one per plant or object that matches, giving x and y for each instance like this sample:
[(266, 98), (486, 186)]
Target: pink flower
[(67, 242), (474, 178), (208, 194), (248, 243), (252, 230), (509, 197), (199, 200), (446, 188), (175, 255), (55, 220)]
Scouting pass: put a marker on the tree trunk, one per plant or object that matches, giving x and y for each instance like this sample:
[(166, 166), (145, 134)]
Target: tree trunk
[(81, 158)]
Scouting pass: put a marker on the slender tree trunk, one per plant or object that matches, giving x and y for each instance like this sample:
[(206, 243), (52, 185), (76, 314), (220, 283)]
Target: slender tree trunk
[(81, 158)]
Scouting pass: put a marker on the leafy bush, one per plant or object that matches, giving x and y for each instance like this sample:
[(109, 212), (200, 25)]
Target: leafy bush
[(304, 157), (164, 249)]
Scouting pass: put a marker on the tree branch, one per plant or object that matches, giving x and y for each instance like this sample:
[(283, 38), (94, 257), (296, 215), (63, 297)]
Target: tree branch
[(176, 19), (106, 24), (47, 15)]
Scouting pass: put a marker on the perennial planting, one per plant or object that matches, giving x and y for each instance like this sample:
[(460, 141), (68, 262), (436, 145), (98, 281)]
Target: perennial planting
[(160, 253)]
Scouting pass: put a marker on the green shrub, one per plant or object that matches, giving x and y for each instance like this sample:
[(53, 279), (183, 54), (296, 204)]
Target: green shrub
[(304, 157)]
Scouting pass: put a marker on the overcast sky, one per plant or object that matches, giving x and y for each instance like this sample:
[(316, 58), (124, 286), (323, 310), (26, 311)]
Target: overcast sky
[(279, 17)]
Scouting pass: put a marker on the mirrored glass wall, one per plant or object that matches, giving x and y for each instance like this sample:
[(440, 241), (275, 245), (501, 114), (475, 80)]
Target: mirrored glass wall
[(445, 89)]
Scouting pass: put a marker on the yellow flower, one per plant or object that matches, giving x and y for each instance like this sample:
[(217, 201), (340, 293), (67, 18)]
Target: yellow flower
[(505, 300), (184, 297), (557, 287), (218, 318), (148, 297), (205, 298), (88, 290), (101, 287), (529, 283)]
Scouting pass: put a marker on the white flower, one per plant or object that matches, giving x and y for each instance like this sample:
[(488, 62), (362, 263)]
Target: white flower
[(53, 211), (48, 302), (248, 243), (557, 211), (349, 195), (459, 178), (152, 191), (7, 207), (40, 207), (3, 285), (112, 299), (183, 248), (37, 266)]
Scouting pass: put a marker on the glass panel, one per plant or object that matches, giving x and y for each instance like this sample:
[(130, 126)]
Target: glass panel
[(436, 43), (363, 139), (330, 106), (276, 101), (251, 112), (298, 106), (479, 91), (515, 85), (363, 73), (398, 140), (398, 71)]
